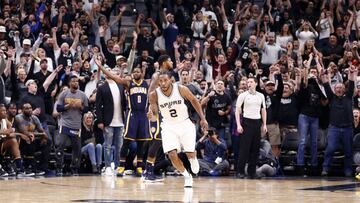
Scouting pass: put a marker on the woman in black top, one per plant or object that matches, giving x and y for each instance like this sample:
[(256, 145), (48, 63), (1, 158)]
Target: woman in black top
[(89, 144)]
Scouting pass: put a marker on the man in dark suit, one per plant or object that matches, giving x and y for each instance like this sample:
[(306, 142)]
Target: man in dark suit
[(110, 114)]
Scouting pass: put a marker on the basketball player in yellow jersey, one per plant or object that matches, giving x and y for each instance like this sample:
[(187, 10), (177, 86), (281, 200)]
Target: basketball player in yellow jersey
[(177, 130)]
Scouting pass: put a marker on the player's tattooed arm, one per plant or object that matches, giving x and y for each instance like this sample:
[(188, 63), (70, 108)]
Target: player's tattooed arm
[(153, 112)]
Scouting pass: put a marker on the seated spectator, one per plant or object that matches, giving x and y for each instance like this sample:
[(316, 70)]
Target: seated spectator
[(356, 124), (9, 144), (357, 163), (214, 162), (88, 143), (35, 139), (267, 164)]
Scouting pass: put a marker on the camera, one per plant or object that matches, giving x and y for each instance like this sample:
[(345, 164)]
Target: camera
[(211, 133)]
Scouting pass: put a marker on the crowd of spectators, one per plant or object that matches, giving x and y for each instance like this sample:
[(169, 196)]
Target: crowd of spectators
[(304, 55)]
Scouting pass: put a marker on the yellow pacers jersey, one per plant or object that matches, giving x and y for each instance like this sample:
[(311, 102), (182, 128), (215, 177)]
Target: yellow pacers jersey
[(173, 108)]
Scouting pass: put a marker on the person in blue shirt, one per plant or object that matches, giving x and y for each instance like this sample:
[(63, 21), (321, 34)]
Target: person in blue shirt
[(214, 162)]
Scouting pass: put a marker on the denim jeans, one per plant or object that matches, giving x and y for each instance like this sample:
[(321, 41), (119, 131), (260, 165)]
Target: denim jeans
[(112, 136), (306, 125), (221, 132), (94, 152), (335, 136)]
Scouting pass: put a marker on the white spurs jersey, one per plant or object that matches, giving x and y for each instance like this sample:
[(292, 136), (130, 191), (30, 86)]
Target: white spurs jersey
[(173, 108)]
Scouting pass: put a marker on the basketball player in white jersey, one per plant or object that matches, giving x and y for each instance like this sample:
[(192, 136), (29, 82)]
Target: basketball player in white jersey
[(178, 132)]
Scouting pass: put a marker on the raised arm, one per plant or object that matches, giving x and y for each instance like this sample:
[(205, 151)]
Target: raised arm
[(112, 76), (76, 39), (270, 16), (137, 23), (222, 13), (155, 28), (56, 46), (131, 57), (352, 80), (51, 77), (262, 42), (163, 15), (118, 17), (197, 54)]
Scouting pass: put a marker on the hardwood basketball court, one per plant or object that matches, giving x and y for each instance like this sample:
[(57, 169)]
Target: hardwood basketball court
[(131, 189)]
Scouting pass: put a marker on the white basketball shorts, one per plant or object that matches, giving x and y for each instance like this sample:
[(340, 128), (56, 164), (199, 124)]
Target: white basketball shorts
[(180, 136)]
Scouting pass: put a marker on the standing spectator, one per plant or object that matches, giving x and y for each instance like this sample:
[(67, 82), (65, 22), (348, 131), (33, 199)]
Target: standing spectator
[(214, 162), (270, 52), (71, 103), (146, 39), (170, 31), (218, 107), (199, 26), (310, 96), (36, 97), (272, 101), (333, 51), (252, 105), (284, 36), (64, 55), (305, 32), (341, 121), (288, 108), (42, 73), (89, 142), (248, 49), (325, 27), (136, 128), (110, 108)]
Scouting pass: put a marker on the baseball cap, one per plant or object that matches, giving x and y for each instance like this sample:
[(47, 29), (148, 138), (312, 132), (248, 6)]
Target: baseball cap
[(25, 26), (2, 29), (269, 82), (30, 82), (120, 57), (26, 42)]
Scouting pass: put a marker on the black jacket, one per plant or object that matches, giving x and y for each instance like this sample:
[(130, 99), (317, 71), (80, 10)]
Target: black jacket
[(105, 104), (341, 114)]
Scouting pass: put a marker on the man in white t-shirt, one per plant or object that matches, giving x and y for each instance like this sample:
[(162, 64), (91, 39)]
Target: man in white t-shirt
[(110, 115), (270, 51)]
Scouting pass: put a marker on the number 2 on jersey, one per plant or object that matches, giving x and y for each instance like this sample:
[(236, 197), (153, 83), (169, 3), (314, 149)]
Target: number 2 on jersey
[(173, 113)]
